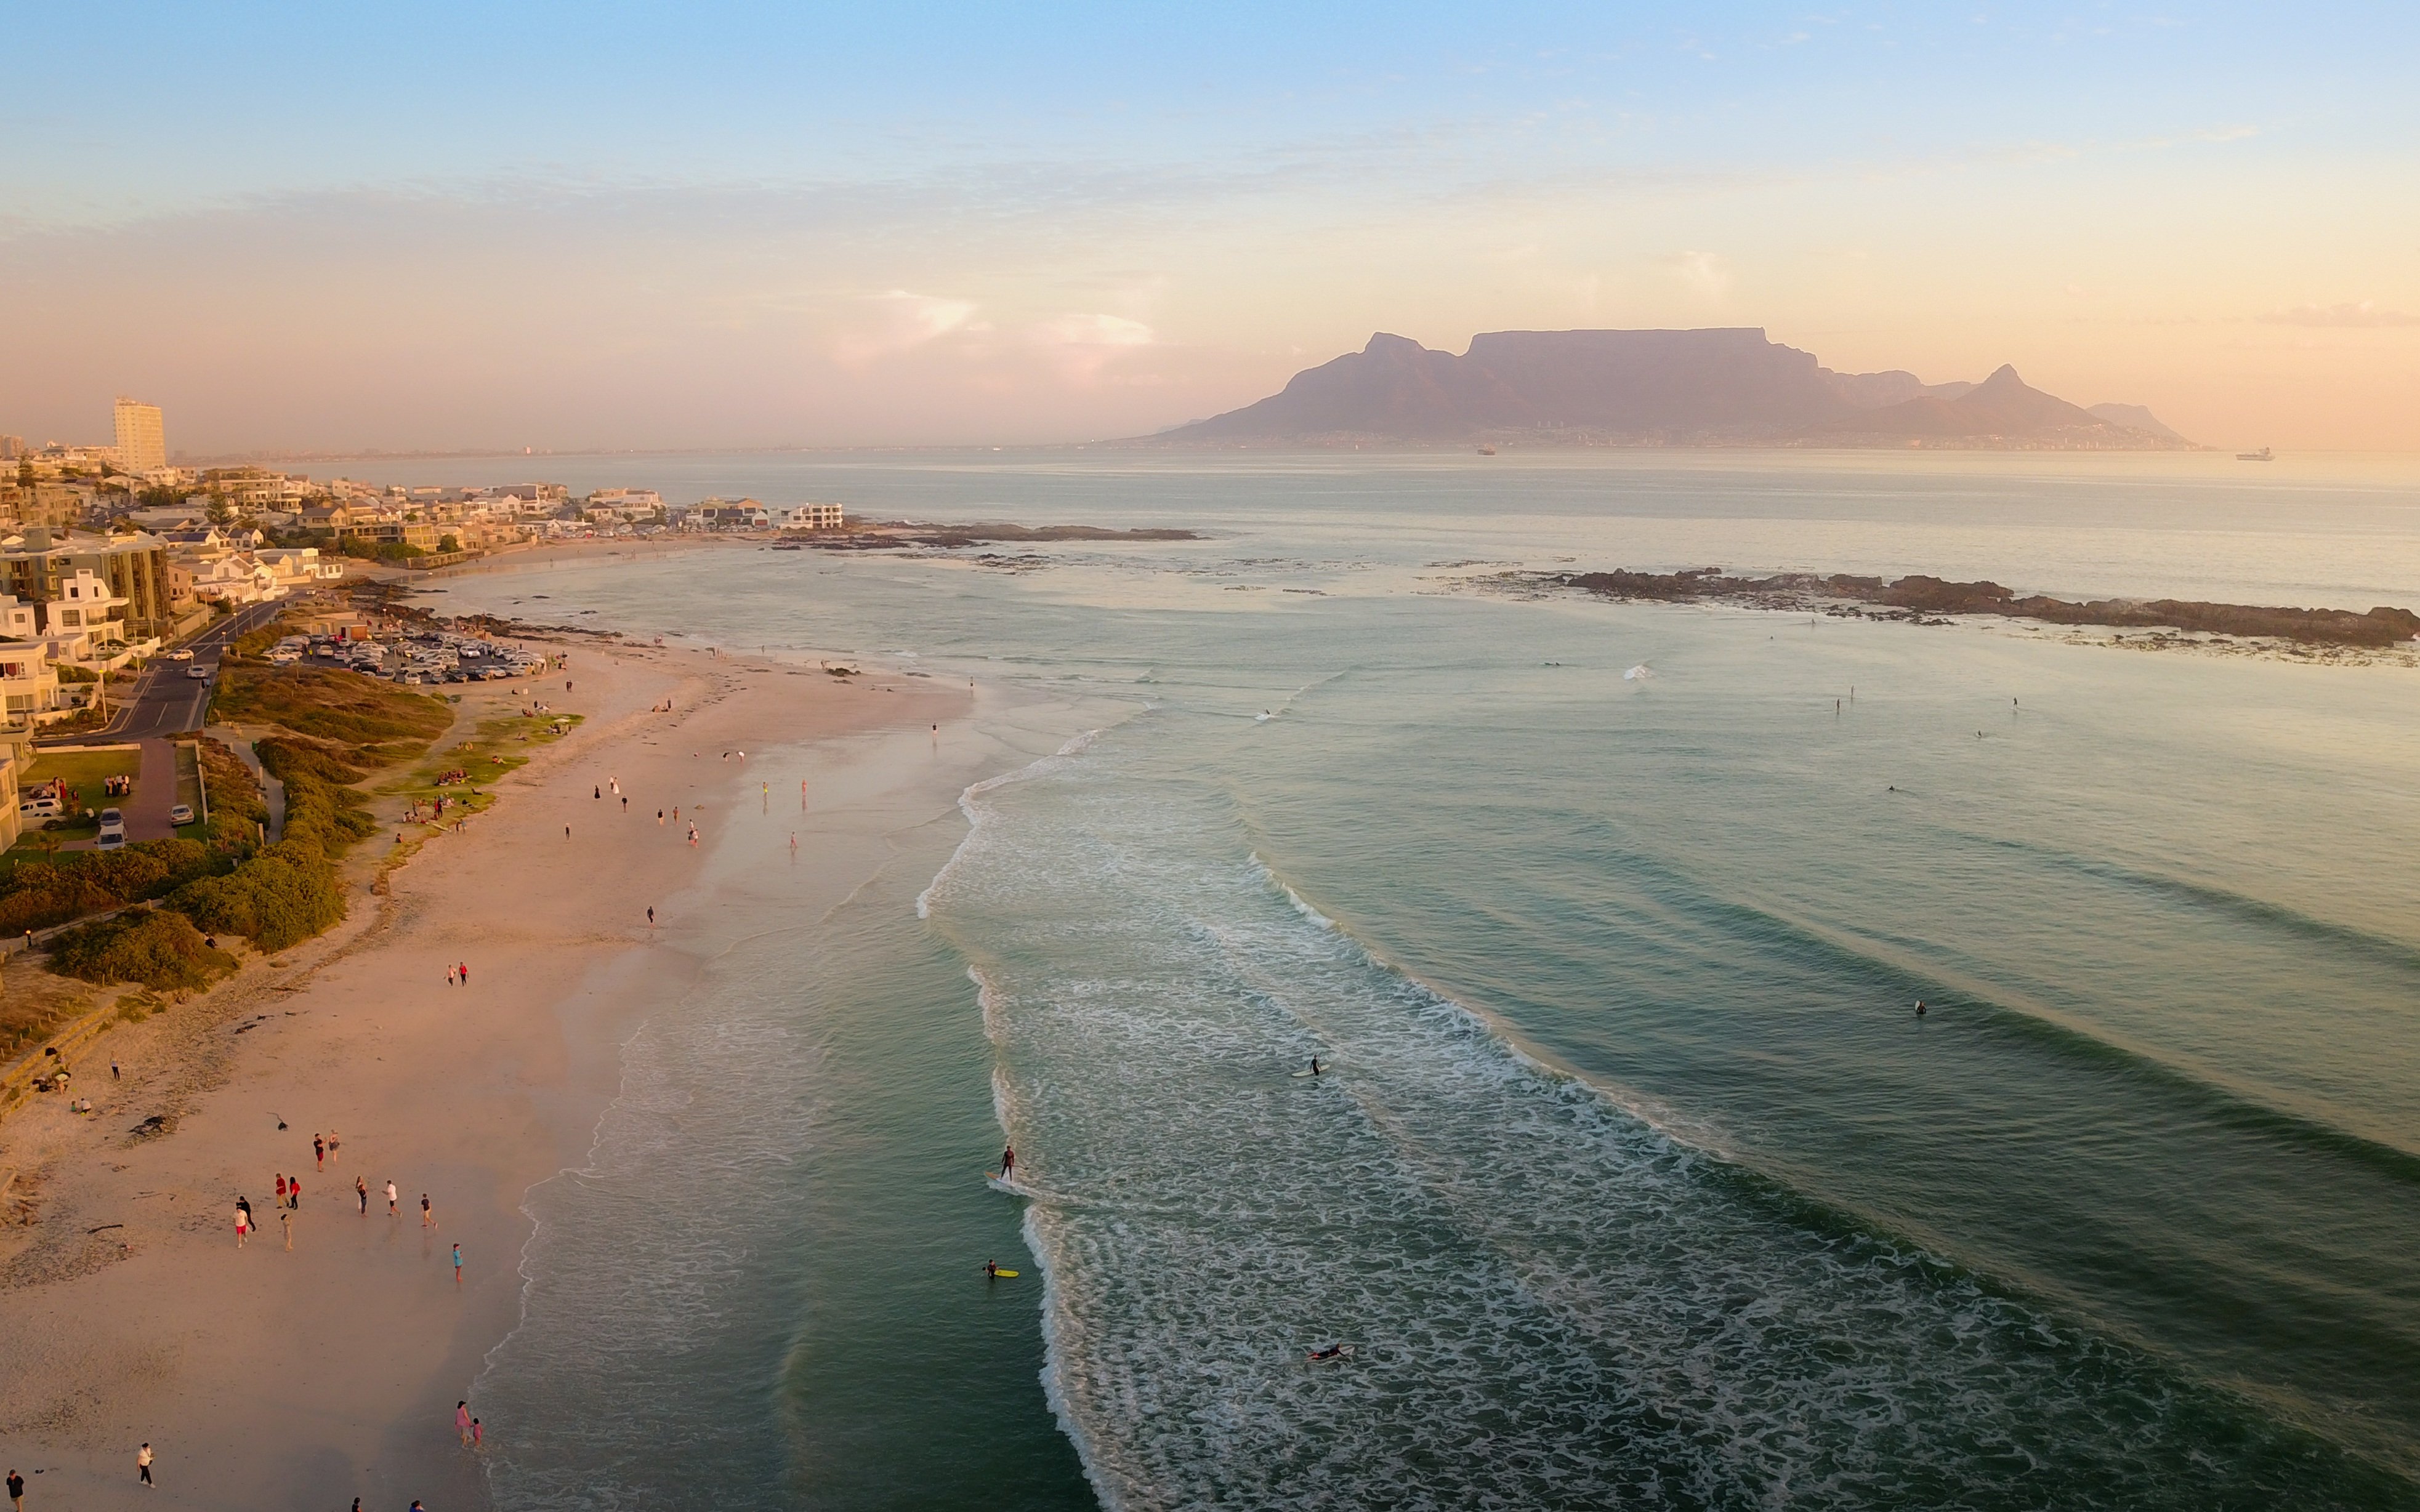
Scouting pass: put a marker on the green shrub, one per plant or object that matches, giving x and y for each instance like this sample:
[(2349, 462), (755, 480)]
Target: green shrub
[(291, 890), (157, 948), (39, 894)]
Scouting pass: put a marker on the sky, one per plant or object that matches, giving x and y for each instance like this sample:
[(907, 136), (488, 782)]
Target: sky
[(605, 225)]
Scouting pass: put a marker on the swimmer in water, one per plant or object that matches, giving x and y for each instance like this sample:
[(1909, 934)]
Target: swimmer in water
[(1329, 1353), (1919, 1007), (991, 1270)]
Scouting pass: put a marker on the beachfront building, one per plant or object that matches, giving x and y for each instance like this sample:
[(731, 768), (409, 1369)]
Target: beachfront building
[(41, 563), (141, 441), (406, 532), (809, 517), (729, 515), (608, 505)]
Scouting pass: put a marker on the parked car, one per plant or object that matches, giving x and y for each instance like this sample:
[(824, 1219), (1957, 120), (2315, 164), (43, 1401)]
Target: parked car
[(111, 840), (182, 814)]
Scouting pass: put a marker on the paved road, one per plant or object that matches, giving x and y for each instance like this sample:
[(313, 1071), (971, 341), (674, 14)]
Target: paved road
[(162, 700)]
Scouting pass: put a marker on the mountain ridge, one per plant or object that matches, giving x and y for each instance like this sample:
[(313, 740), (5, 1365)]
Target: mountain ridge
[(1711, 386)]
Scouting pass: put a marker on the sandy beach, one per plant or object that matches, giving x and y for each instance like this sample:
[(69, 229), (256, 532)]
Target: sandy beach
[(270, 1379)]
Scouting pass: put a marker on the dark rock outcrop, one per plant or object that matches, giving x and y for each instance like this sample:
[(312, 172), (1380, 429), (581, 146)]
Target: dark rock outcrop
[(1920, 594)]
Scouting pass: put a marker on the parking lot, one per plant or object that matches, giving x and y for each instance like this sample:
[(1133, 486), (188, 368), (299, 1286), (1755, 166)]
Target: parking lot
[(433, 658)]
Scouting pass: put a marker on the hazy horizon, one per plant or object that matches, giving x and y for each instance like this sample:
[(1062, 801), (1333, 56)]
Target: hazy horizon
[(936, 225)]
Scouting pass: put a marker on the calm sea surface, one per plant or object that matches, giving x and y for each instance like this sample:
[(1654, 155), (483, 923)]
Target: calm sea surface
[(1635, 1180)]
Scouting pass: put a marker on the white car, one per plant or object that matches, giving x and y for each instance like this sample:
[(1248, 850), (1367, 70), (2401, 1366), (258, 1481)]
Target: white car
[(182, 814), (199, 674), (181, 654)]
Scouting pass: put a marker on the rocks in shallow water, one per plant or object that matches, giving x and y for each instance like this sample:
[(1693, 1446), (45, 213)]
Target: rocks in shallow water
[(1921, 596)]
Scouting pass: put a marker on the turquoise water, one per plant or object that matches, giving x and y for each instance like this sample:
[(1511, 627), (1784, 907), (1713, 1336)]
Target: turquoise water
[(1637, 1181)]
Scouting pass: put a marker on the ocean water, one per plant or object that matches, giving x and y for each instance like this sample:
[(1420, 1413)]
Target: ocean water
[(1633, 1179)]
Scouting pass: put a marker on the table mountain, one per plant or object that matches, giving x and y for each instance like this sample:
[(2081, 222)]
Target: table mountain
[(1715, 387)]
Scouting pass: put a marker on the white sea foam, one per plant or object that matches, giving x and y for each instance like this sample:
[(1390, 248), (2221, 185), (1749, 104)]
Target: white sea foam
[(969, 805), (1504, 1246)]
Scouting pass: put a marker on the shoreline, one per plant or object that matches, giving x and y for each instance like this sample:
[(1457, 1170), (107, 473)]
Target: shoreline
[(266, 1379)]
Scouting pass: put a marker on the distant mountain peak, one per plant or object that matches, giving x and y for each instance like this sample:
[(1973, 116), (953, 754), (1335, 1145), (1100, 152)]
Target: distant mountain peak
[(1717, 386)]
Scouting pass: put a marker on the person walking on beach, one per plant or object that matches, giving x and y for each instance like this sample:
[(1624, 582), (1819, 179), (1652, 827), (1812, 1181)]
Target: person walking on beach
[(462, 1423), (333, 1145), (319, 1150), (458, 1265), (478, 1436), (16, 1490), (660, 819), (428, 1218), (143, 1464), (390, 1197), (463, 970), (362, 1190), (449, 974), (243, 1221), (651, 916), (294, 1192), (281, 1189), (287, 1219)]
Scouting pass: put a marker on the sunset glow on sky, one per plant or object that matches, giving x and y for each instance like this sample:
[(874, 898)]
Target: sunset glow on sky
[(714, 226)]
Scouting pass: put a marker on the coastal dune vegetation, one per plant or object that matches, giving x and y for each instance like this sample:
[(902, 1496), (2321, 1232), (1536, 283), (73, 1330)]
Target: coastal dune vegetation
[(332, 730)]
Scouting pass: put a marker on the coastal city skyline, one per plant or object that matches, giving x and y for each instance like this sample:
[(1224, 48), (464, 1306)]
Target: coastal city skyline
[(944, 228)]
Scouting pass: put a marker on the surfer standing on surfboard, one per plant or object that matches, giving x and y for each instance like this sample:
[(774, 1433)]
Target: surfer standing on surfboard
[(1007, 1162)]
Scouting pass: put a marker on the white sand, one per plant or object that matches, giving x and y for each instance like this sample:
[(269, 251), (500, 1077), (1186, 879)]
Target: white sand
[(265, 1379)]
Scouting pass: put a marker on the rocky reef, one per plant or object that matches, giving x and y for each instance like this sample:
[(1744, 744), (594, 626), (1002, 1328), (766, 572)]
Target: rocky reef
[(1917, 595)]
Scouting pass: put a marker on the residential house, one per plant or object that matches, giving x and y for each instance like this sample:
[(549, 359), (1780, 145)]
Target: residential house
[(295, 567), (29, 682), (234, 578), (730, 515)]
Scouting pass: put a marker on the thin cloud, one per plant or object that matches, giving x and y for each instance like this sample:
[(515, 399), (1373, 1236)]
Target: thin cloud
[(901, 322), (1704, 274), (2365, 316)]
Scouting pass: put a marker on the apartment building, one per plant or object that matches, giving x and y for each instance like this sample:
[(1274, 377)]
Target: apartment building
[(141, 441), (44, 564)]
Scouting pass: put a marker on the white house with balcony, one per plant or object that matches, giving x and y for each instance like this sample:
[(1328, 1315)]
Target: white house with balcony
[(299, 567), (233, 578), (85, 606)]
